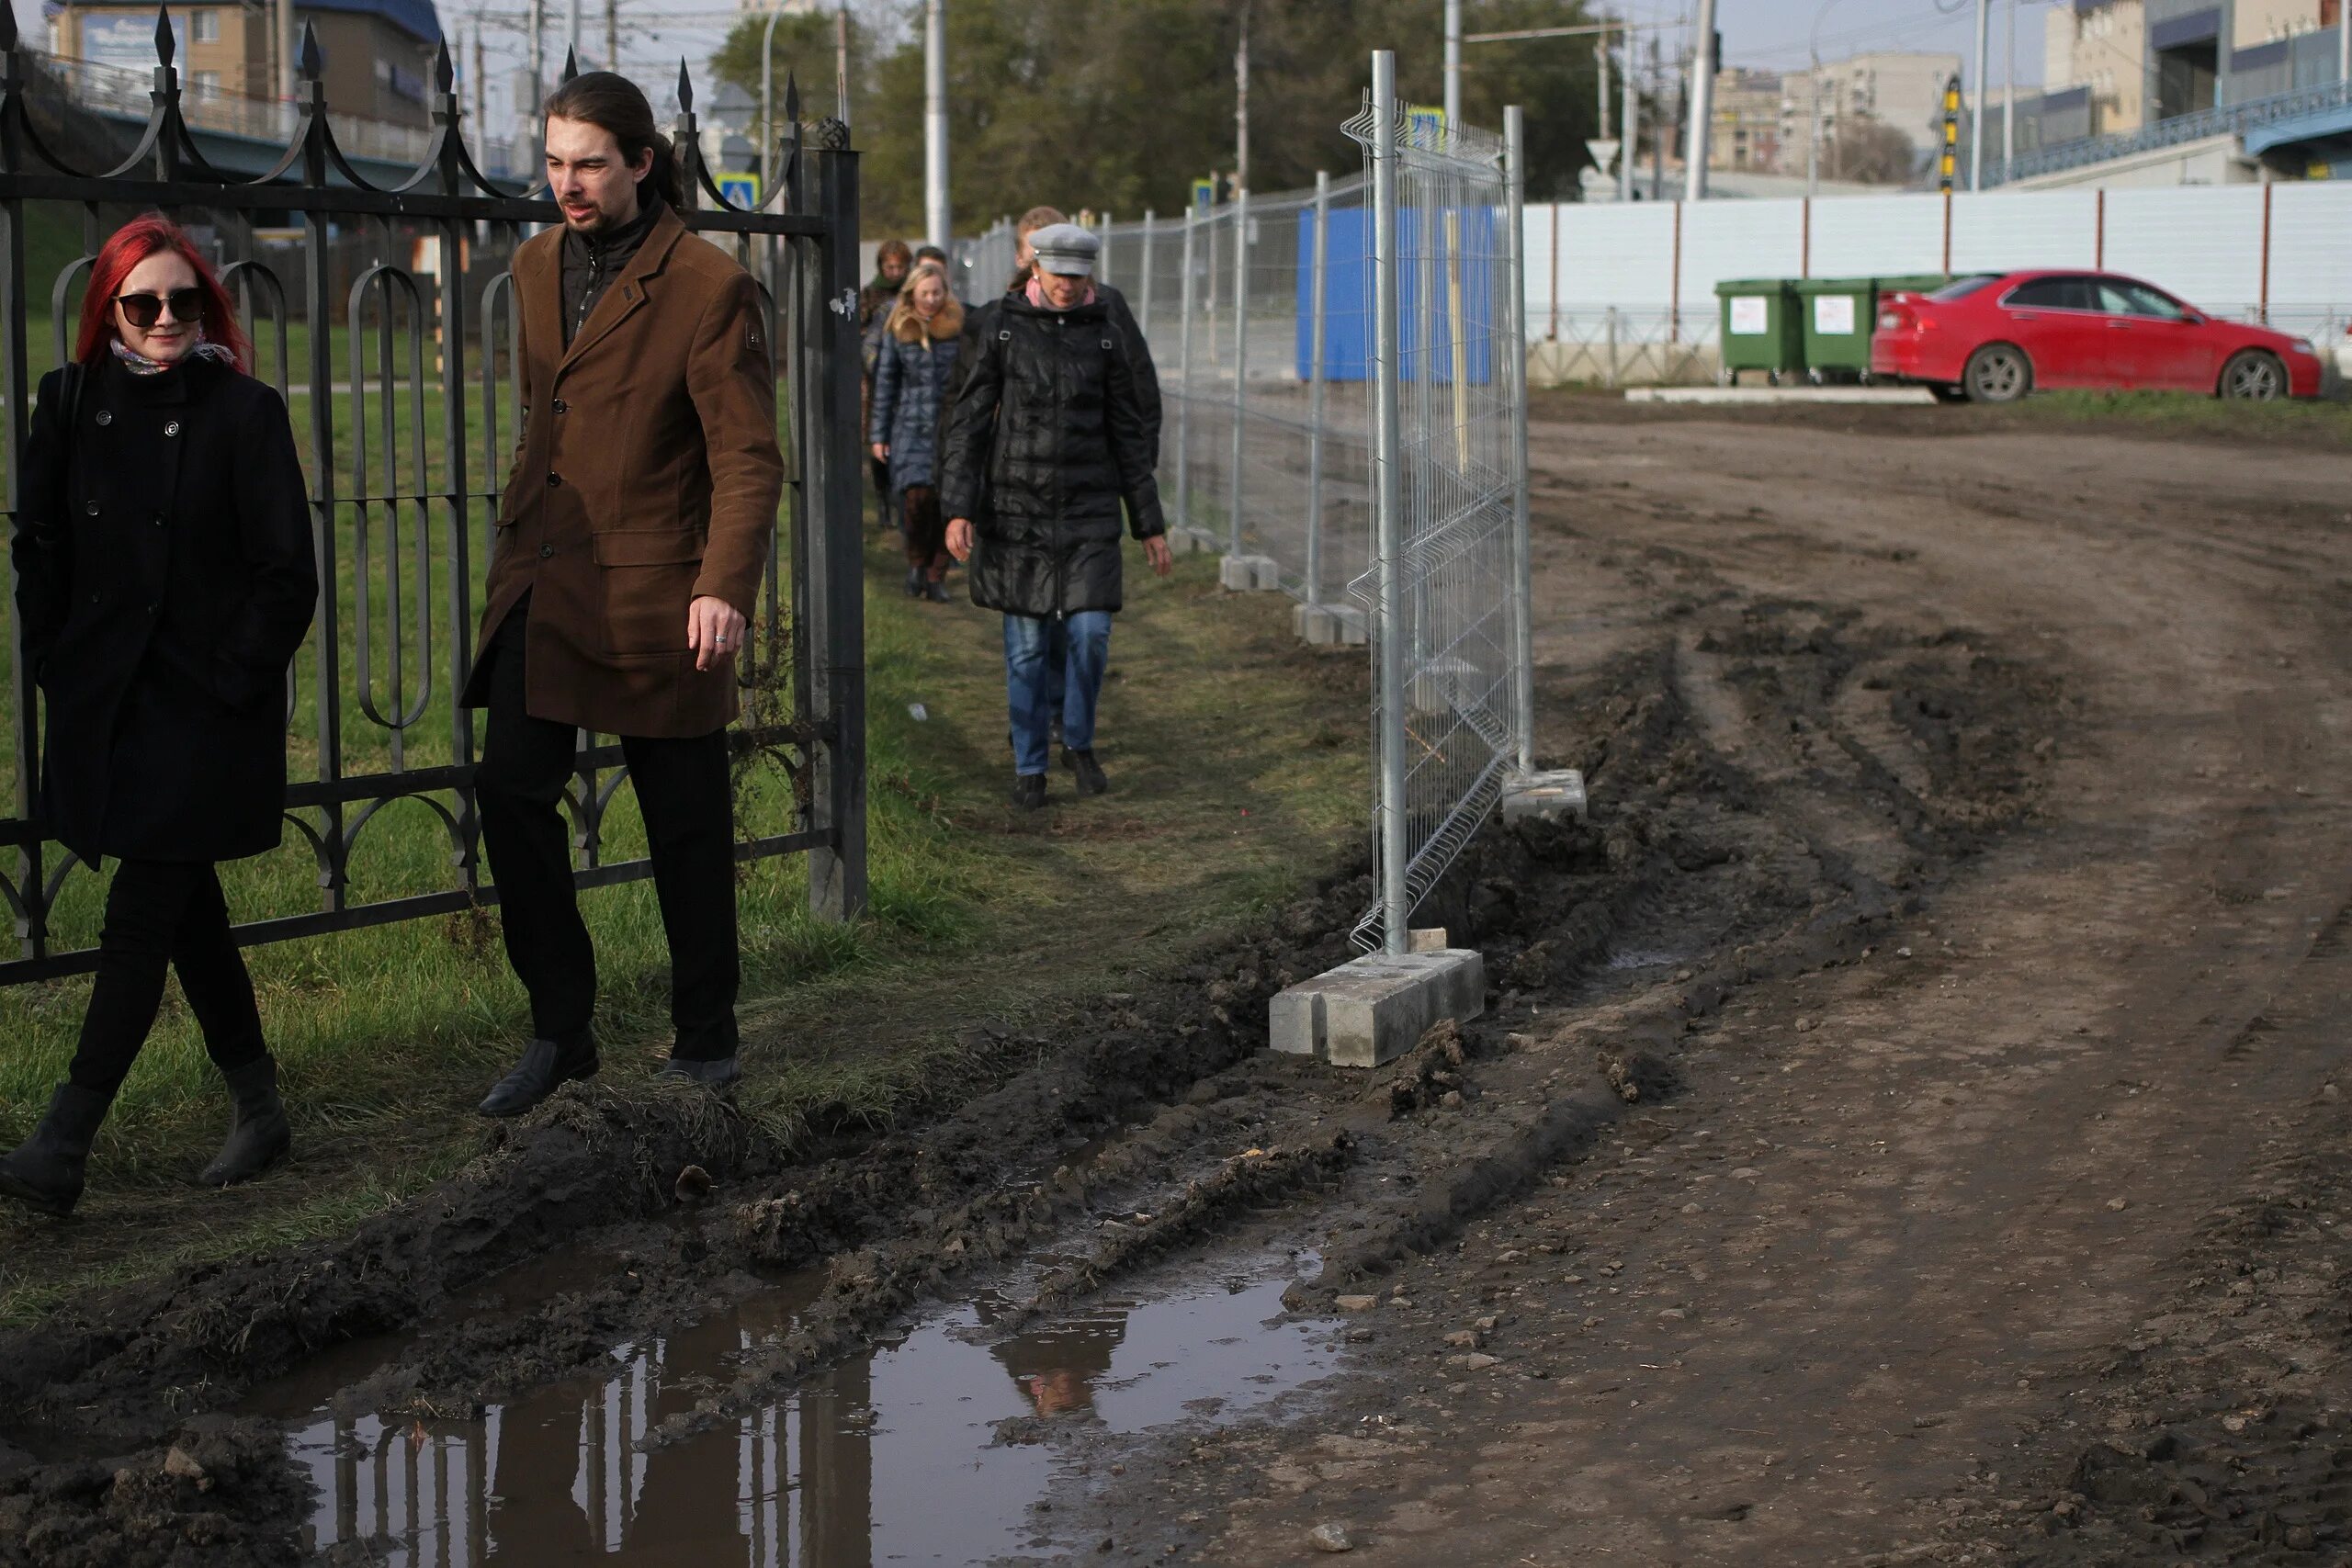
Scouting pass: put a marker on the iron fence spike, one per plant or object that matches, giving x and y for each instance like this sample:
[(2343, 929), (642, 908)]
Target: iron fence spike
[(445, 76), (166, 45), (7, 27), (685, 87), (570, 62), (313, 58)]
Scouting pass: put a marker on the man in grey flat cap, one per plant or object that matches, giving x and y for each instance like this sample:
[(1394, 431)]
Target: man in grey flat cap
[(1049, 427)]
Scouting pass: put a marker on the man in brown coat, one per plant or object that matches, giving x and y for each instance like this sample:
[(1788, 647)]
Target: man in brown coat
[(630, 543)]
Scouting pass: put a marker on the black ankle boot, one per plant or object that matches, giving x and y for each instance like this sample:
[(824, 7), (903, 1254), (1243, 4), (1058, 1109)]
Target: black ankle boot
[(259, 1138), (1028, 790), (1090, 771), (45, 1170), (546, 1065)]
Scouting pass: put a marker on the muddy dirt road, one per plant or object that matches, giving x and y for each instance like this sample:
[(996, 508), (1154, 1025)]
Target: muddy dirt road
[(1908, 1125)]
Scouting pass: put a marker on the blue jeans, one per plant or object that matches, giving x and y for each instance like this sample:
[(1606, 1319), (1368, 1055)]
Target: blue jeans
[(1031, 675)]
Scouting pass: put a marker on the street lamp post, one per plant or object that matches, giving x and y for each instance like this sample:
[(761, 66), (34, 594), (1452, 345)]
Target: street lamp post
[(1813, 106)]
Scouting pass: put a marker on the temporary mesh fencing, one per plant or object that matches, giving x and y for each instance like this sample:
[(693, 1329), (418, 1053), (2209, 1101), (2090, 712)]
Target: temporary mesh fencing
[(1447, 680)]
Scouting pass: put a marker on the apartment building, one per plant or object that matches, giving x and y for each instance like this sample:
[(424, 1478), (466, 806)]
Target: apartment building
[(1902, 90), (1748, 116), (2135, 62), (376, 54)]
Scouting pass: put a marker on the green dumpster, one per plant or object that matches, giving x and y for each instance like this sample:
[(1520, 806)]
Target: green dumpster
[(1760, 331), (1837, 316)]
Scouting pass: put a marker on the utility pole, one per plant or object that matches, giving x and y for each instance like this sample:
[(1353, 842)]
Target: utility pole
[(482, 118), (1633, 118), (1702, 92), (1600, 66), (1977, 106), (2009, 101), (1242, 104), (841, 60), (286, 66), (1453, 64), (612, 35), (1662, 129), (2343, 47), (935, 123), (533, 159), (573, 38)]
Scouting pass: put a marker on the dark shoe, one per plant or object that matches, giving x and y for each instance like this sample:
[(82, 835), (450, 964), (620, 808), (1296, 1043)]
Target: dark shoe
[(1090, 771), (259, 1138), (717, 1076), (543, 1066), (914, 583), (1054, 726), (45, 1170), (936, 592), (1028, 790)]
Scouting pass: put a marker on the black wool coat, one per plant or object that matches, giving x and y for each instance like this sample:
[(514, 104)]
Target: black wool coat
[(165, 580), (981, 319), (1046, 443)]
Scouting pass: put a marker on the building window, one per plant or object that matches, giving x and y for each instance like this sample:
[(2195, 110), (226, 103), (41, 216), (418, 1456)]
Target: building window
[(204, 27), (208, 82)]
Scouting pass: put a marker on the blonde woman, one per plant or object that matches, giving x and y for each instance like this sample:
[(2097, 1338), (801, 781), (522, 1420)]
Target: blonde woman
[(919, 349)]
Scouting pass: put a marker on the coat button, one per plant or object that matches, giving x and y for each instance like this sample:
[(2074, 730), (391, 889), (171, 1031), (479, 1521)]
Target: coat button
[(157, 520), (553, 481), (560, 406), (106, 416), (546, 550), (90, 507), (172, 428)]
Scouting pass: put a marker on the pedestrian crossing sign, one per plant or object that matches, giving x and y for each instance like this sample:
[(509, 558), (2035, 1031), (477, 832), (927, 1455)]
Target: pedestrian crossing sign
[(1204, 195), (739, 190)]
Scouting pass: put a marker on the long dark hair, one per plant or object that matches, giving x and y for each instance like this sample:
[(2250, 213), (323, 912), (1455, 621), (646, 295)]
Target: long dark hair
[(133, 243), (615, 103)]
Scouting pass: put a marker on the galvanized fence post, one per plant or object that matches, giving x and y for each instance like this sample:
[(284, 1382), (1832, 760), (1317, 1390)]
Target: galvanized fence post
[(1387, 506), (1241, 366), (1515, 361), (1320, 298), (1102, 262), (1143, 298), (1184, 376), (837, 889)]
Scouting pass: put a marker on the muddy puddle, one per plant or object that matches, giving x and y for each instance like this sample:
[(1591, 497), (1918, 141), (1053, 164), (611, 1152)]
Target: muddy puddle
[(931, 1450)]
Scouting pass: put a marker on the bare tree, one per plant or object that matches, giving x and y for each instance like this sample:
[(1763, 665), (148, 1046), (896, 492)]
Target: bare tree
[(1868, 149)]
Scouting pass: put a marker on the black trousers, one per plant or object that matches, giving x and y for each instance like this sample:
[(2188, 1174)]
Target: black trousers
[(682, 790), (163, 913)]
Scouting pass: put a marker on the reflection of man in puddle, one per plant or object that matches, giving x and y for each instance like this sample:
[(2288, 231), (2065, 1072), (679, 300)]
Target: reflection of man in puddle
[(1056, 1369)]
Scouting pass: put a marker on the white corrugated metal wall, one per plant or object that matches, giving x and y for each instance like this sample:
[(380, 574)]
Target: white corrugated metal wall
[(1650, 268)]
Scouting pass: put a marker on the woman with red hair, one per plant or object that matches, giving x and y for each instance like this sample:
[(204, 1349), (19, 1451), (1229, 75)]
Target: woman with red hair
[(165, 578)]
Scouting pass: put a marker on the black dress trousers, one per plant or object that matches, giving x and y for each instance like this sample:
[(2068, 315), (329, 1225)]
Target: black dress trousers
[(682, 792)]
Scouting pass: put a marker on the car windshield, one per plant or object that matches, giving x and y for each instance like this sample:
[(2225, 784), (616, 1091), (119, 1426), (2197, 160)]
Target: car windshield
[(1961, 287)]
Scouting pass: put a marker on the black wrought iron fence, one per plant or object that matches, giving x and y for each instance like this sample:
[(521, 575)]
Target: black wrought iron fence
[(404, 377)]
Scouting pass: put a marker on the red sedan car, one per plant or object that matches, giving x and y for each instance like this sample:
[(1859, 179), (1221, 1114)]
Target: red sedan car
[(1994, 337)]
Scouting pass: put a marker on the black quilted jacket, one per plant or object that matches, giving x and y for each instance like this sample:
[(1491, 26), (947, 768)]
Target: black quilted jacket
[(1046, 443)]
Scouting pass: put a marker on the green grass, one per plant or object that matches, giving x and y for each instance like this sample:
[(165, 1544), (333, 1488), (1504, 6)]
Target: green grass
[(2329, 421), (1238, 768)]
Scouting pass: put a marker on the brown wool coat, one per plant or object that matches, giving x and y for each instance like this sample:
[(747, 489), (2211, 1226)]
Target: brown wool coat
[(647, 475)]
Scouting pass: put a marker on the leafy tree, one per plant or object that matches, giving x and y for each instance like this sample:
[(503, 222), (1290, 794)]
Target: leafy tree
[(1868, 149), (1119, 105)]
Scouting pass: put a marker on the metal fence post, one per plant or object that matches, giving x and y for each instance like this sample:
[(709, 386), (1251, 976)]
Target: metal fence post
[(1184, 376), (1241, 366), (836, 564), (1320, 298), (1522, 546), (1102, 262), (1613, 370), (1387, 507), (1143, 298)]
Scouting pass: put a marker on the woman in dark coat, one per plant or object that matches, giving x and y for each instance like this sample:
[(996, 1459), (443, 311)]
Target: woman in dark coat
[(919, 348), (164, 578), (1046, 442)]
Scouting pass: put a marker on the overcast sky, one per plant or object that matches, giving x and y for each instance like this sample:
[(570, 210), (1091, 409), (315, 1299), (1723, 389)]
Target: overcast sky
[(1773, 33)]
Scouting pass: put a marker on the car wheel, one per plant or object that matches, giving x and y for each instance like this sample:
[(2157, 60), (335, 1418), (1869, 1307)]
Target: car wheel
[(2253, 377), (1945, 392), (1997, 373)]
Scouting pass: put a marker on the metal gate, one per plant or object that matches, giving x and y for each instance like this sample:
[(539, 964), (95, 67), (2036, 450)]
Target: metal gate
[(402, 519)]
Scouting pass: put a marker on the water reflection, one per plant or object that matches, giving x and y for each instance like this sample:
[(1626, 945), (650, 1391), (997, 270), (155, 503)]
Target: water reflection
[(891, 1458)]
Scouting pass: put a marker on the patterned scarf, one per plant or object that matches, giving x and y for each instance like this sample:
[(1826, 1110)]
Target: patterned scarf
[(139, 363)]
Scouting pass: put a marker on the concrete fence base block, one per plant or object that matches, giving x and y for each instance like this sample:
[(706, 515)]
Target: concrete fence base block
[(1547, 795), (1329, 626), (1441, 684), (1251, 574), (1184, 542), (1376, 1007)]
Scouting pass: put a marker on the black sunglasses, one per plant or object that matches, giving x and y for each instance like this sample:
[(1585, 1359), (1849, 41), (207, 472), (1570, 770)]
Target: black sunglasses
[(144, 310)]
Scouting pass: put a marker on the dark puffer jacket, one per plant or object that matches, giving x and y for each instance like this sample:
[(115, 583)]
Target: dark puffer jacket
[(981, 319), (909, 400), (1045, 442)]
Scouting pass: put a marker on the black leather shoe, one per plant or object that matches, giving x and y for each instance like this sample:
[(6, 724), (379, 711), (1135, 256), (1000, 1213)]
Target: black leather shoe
[(1028, 790), (936, 592), (45, 1170), (543, 1066), (717, 1076), (259, 1138), (914, 583), (1090, 771)]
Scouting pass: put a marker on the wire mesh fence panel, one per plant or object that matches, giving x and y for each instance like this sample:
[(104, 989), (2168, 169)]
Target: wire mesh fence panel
[(1443, 626)]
